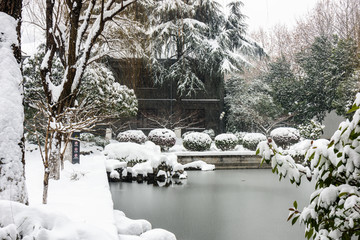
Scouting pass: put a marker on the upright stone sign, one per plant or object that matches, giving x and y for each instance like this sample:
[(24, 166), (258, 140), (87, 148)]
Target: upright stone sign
[(75, 147)]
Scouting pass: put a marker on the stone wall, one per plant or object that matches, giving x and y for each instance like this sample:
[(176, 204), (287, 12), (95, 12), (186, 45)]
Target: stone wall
[(222, 161)]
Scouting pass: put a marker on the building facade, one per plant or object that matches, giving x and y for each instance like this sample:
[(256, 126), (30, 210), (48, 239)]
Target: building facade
[(160, 105)]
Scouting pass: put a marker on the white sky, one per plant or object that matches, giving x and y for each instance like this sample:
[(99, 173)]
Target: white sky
[(267, 13)]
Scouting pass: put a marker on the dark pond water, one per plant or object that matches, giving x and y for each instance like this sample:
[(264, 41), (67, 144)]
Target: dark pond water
[(218, 205)]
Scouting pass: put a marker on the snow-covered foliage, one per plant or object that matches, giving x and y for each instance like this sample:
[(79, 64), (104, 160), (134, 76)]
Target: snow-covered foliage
[(198, 40), (251, 140), (165, 138), (12, 180), (136, 136), (312, 130), (226, 141), (251, 107), (100, 90), (285, 136), (333, 211), (197, 141)]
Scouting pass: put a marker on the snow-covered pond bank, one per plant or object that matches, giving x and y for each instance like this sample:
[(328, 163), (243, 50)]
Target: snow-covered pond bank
[(245, 204)]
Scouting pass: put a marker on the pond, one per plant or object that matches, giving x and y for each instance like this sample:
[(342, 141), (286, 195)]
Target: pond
[(218, 205)]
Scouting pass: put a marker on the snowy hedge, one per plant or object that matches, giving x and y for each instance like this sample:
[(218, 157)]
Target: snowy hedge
[(165, 138), (135, 136), (285, 136), (251, 140), (197, 141), (226, 141), (240, 136)]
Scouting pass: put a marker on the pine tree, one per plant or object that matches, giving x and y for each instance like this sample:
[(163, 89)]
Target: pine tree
[(194, 39)]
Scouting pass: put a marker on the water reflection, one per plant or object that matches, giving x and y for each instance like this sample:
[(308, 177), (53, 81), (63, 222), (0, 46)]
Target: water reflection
[(219, 205)]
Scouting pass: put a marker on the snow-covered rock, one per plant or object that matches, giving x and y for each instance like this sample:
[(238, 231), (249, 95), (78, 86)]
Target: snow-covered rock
[(127, 226), (158, 234), (199, 165)]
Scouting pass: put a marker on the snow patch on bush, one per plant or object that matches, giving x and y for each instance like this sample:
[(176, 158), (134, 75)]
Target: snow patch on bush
[(163, 137), (285, 136)]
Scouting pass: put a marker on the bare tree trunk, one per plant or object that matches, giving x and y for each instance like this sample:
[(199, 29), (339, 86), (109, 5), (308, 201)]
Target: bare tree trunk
[(55, 157), (46, 184)]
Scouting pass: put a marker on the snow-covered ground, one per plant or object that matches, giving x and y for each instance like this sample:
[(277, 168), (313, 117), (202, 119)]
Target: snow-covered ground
[(79, 206)]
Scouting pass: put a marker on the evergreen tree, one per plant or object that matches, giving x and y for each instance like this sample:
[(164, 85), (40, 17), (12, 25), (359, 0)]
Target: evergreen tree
[(194, 39), (251, 106), (285, 88), (329, 66)]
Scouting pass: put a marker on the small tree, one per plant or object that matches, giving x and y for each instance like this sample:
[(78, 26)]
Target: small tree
[(334, 209), (71, 30)]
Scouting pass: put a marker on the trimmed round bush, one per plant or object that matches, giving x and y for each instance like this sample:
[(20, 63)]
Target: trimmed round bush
[(285, 136), (135, 136), (226, 141), (197, 141), (165, 138), (251, 140)]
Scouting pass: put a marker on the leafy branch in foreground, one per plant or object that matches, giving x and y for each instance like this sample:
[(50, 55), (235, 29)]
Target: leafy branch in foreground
[(334, 208)]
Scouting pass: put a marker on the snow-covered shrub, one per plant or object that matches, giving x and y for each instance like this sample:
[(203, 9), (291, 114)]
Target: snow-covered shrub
[(333, 211), (210, 132), (240, 136), (226, 141), (197, 141), (136, 136), (285, 136), (165, 138), (251, 140), (99, 141), (87, 137), (311, 130)]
